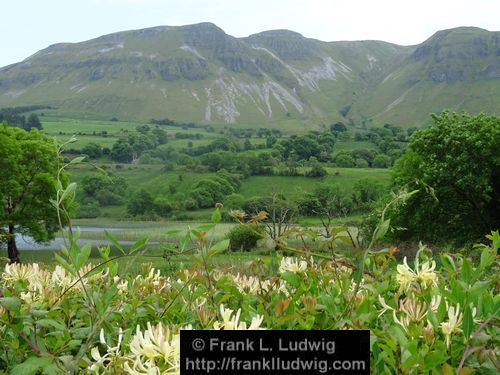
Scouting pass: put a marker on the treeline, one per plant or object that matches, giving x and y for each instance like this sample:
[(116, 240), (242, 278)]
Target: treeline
[(290, 156), (100, 190), (169, 122), (14, 116)]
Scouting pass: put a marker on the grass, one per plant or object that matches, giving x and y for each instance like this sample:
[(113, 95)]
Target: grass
[(294, 187)]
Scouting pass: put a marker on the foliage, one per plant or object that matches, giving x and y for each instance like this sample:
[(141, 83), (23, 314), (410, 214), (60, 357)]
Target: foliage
[(122, 152), (92, 150), (29, 163), (140, 203), (457, 163), (107, 189), (366, 192), (423, 316), (382, 161), (245, 236)]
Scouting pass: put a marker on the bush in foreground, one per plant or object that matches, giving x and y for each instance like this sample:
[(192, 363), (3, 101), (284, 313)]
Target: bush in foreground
[(430, 315)]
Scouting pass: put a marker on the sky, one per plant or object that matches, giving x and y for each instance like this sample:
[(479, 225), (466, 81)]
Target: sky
[(27, 26)]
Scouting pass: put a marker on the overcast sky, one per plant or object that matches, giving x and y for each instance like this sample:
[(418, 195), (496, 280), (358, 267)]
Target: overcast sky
[(27, 26)]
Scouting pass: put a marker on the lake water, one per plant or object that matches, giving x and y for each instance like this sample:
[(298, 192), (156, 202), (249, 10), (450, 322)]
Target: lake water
[(27, 243)]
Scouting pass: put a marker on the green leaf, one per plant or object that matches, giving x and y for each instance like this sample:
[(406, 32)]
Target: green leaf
[(38, 313), (448, 263), (83, 256), (219, 247), (487, 258), (476, 291), (113, 240), (382, 229), (47, 323), (466, 271), (434, 359), (216, 216), (77, 160), (69, 191), (184, 241), (33, 366), (139, 244), (59, 259), (291, 278), (468, 322), (10, 303)]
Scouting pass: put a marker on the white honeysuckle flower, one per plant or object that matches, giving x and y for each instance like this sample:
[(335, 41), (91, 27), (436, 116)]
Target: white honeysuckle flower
[(256, 322), (156, 343), (453, 324), (230, 322), (101, 337), (140, 367), (122, 287), (426, 275), (94, 352), (112, 353), (405, 276), (410, 310), (20, 272), (291, 264), (414, 309), (423, 274), (61, 278), (385, 306), (435, 302)]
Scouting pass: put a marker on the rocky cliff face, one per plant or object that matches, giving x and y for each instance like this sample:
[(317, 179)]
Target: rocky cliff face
[(199, 73)]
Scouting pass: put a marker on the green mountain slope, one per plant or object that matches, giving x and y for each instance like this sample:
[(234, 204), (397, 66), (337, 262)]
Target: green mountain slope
[(199, 73)]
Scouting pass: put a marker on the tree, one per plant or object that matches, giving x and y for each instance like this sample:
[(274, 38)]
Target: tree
[(122, 152), (382, 161), (33, 122), (344, 160), (338, 127), (456, 165), (92, 150), (140, 203), (327, 202), (28, 167)]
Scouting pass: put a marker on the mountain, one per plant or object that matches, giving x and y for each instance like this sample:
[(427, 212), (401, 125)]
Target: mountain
[(199, 73)]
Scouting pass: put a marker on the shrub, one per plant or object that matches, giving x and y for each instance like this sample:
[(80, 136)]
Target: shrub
[(162, 206), (88, 211), (245, 236)]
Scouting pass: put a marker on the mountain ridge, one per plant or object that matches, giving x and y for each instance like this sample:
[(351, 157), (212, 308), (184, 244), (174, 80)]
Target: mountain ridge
[(199, 73)]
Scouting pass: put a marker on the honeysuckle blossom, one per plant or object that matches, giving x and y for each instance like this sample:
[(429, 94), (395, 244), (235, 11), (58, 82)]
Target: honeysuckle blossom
[(406, 276), (385, 306), (20, 272), (232, 322), (153, 281), (410, 310), (424, 274), (291, 264), (453, 324), (113, 354), (156, 343)]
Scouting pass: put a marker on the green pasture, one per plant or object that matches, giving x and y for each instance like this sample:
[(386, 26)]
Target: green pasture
[(295, 186)]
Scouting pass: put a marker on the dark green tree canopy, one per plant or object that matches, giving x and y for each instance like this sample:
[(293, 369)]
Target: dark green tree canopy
[(28, 167), (456, 165)]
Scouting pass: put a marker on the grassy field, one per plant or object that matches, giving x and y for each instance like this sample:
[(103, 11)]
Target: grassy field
[(177, 183), (294, 187)]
